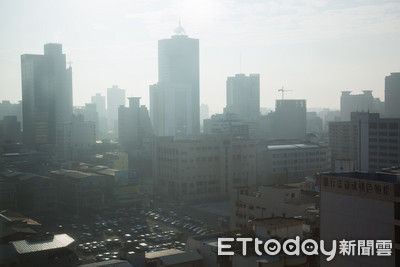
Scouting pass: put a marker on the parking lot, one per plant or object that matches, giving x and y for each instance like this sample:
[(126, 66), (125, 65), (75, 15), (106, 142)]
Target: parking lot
[(99, 237)]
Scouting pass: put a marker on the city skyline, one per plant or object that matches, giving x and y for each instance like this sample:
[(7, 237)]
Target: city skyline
[(305, 47)]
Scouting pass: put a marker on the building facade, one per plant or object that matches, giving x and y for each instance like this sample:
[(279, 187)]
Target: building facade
[(248, 203), (283, 164), (46, 96), (364, 102), (392, 95), (203, 168), (134, 125), (243, 96), (290, 119), (360, 206), (175, 99), (368, 140), (79, 137), (115, 98)]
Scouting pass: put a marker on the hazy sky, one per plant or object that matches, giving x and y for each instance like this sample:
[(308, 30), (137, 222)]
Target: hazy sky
[(316, 48)]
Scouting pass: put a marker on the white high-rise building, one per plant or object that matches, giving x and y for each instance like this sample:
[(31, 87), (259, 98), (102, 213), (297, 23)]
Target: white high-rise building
[(175, 99)]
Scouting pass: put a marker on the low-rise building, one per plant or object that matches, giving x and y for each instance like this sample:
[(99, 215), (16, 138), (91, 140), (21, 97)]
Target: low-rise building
[(79, 192), (207, 246), (44, 250), (174, 258), (249, 203)]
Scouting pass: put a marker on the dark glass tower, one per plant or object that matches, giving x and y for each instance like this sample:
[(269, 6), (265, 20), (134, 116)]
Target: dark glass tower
[(46, 97)]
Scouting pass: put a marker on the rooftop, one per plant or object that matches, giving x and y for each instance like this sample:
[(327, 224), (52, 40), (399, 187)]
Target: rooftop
[(40, 244), (278, 221), (111, 263), (294, 146), (73, 174), (6, 215), (377, 176), (174, 256)]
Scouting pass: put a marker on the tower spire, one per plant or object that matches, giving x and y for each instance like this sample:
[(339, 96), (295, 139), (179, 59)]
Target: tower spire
[(180, 30)]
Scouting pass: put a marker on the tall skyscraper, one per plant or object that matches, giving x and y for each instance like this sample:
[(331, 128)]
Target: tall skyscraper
[(175, 99), (243, 96), (392, 95), (46, 96), (115, 98)]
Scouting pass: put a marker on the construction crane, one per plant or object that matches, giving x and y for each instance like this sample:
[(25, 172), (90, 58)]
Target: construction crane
[(283, 91)]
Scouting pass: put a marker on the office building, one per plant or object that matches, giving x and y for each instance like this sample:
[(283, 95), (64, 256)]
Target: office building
[(361, 206), (9, 109), (175, 99), (10, 130), (79, 138), (79, 192), (134, 125), (392, 95), (368, 141), (204, 168), (46, 96), (291, 163), (314, 123), (243, 96), (227, 124), (100, 102), (101, 126), (204, 113), (289, 119), (115, 98), (364, 102)]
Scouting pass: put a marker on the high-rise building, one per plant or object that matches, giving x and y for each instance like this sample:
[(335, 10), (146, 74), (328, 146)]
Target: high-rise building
[(368, 142), (175, 99), (10, 130), (79, 137), (392, 95), (243, 96), (9, 109), (100, 102), (290, 119), (364, 102), (134, 125), (46, 96), (115, 98)]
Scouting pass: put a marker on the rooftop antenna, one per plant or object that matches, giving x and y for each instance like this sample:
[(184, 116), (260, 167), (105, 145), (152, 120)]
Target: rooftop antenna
[(240, 62), (180, 30), (283, 91)]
